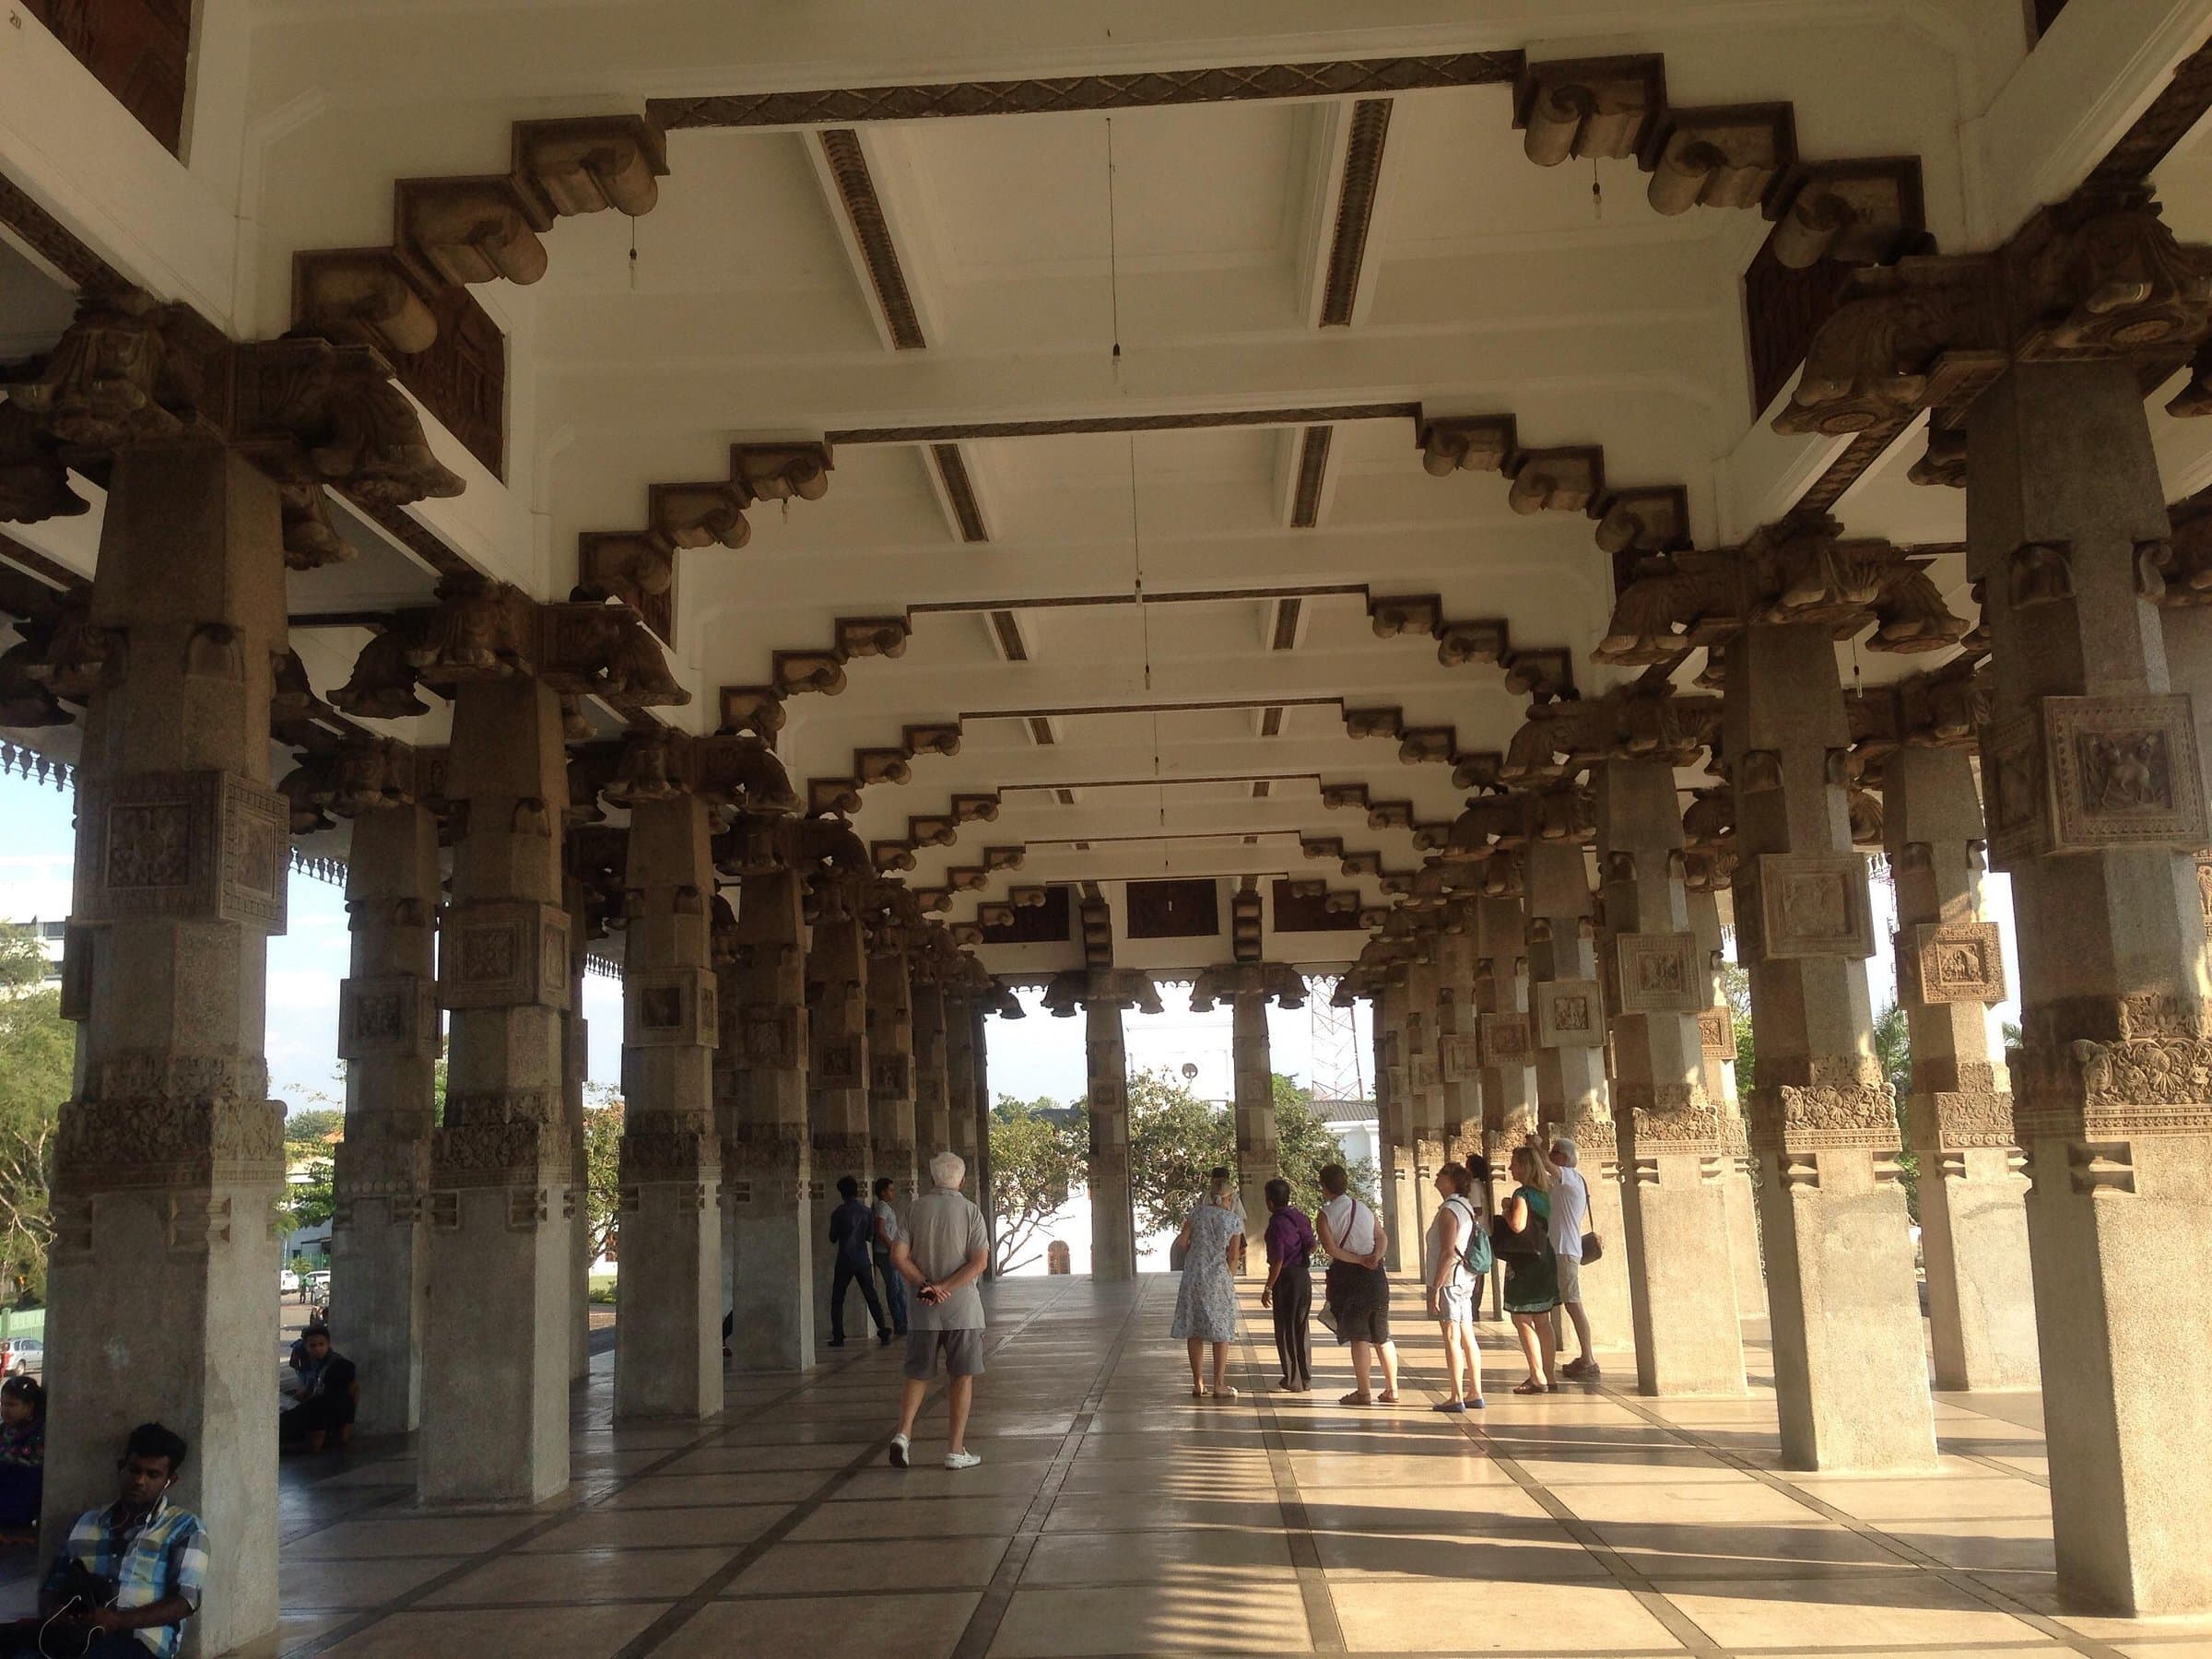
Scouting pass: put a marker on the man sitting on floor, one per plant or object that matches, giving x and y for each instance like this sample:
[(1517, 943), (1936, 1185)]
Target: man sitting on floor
[(328, 1391), (130, 1574)]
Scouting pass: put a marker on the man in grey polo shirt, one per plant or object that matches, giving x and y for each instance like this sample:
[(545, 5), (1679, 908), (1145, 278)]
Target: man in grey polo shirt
[(944, 1251)]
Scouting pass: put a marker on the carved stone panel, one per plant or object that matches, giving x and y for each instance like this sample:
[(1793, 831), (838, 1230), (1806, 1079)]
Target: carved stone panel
[(1421, 1072), (2204, 889), (1507, 1040), (840, 1066), (2078, 774), (1952, 961), (1716, 1032), (773, 1035), (1459, 1056), (504, 953), (670, 1008), (1570, 1013), (888, 1075), (1659, 973), (387, 1015), (1815, 904), (199, 846), (2125, 771)]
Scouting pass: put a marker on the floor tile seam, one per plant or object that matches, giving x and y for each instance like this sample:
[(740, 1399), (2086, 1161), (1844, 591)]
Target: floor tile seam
[(1673, 1620), (1325, 1625), (709, 1591), (410, 1601), (1995, 1467), (1959, 1579), (990, 1612)]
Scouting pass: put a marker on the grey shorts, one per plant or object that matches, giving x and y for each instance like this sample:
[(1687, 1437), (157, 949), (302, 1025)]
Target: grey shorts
[(963, 1352), (1456, 1303), (1570, 1279)]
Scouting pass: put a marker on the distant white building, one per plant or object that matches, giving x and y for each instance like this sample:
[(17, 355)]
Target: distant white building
[(50, 935)]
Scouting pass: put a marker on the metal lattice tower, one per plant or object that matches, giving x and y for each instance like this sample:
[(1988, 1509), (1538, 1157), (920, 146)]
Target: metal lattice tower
[(1339, 1072)]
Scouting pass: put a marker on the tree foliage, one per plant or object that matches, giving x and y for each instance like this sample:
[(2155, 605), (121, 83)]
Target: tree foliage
[(1893, 1049), (1176, 1140), (603, 1167), (38, 1052), (1039, 1150), (1736, 985)]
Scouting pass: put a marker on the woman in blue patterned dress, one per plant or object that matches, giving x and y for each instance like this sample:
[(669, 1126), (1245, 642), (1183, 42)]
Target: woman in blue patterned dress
[(1205, 1306)]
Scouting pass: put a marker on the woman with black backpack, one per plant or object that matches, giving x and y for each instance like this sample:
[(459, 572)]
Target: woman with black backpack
[(1458, 1257), (1522, 1237)]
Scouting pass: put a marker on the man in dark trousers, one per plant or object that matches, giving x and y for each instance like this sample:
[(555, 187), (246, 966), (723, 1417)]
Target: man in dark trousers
[(853, 1236), (328, 1391)]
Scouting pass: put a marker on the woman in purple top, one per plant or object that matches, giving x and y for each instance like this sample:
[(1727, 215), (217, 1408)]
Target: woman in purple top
[(1290, 1289)]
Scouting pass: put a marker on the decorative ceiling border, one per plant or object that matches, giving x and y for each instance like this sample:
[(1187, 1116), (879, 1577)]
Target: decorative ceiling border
[(1135, 89), (957, 432), (863, 212), (1354, 209)]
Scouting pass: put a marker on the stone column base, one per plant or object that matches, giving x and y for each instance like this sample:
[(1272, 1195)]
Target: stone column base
[(1973, 1239), (668, 1348), (495, 1428), (2121, 1234), (1851, 1377), (1745, 1265), (769, 1226), (1606, 1299), (1673, 1214)]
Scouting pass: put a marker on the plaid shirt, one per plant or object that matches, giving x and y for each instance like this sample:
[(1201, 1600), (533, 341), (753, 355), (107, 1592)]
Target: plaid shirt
[(164, 1555)]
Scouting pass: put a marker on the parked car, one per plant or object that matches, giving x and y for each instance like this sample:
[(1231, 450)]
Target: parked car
[(22, 1356), (288, 1282)]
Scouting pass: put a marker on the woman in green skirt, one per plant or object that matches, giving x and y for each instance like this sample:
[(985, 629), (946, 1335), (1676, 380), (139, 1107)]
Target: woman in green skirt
[(1532, 1279)]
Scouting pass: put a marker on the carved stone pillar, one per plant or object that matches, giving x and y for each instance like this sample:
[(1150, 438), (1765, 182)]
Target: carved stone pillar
[(980, 1114), (2095, 799), (1253, 1061), (1458, 1039), (575, 1071), (891, 1071), (1399, 1202), (1850, 1369), (1949, 967), (959, 1086), (1112, 1220), (1717, 1043), (1509, 1053), (388, 1037), (1424, 1116), (495, 1407), (933, 1107), (668, 1351), (1568, 1020), (1674, 1156), (761, 1073), (168, 1161), (838, 1073)]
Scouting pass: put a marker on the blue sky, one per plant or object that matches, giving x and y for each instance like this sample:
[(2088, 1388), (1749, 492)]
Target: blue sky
[(1038, 1055)]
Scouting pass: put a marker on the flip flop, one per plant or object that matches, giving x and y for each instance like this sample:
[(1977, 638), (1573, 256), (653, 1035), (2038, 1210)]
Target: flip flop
[(1531, 1388), (1357, 1398)]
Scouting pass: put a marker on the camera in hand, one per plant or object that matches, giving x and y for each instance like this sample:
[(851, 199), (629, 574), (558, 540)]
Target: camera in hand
[(83, 1589)]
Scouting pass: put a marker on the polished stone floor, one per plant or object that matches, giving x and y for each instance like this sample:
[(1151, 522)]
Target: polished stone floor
[(1113, 1514)]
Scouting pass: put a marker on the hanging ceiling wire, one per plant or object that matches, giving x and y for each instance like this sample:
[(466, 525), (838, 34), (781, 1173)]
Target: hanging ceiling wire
[(1136, 536)]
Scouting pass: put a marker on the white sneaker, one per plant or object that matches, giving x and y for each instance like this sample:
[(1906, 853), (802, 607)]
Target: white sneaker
[(961, 1460), (899, 1446)]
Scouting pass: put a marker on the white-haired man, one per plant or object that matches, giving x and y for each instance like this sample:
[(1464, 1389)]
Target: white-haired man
[(943, 1251), (1569, 1221)]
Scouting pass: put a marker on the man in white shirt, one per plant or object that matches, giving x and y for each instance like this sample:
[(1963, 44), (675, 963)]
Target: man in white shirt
[(1569, 1221)]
